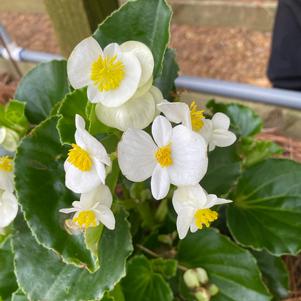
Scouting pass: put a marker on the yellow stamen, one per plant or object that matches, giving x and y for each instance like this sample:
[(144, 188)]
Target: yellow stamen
[(86, 219), (205, 217), (163, 155), (6, 163), (196, 117), (107, 73), (79, 158)]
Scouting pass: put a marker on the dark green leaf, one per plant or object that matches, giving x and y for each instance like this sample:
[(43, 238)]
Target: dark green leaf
[(142, 283), (146, 21), (165, 267), (42, 88), (231, 268), (53, 280), (266, 213), (244, 121)]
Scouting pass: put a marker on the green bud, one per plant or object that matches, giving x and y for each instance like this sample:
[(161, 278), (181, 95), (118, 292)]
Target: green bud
[(213, 289), (202, 275), (9, 139), (191, 279), (202, 295)]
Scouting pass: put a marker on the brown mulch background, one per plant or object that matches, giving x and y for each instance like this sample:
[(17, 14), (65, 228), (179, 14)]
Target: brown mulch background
[(224, 53)]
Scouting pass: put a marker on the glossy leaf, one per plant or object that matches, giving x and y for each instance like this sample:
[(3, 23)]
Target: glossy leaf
[(142, 283), (244, 121), (40, 185), (223, 170), (231, 268), (266, 213), (55, 280), (42, 88), (275, 274), (146, 21), (19, 296)]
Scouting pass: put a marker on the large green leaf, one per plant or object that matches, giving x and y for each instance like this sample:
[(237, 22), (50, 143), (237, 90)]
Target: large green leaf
[(230, 267), (146, 21), (266, 213), (53, 280), (19, 296), (8, 282), (42, 88), (223, 170), (244, 121), (142, 283), (166, 79), (41, 192), (274, 273)]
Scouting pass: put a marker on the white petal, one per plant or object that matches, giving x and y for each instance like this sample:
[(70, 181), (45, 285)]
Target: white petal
[(100, 169), (184, 220), (193, 227), (2, 134), (144, 89), (207, 130), (99, 195), (105, 216), (6, 180), (68, 210), (157, 95), (136, 155), (213, 200), (161, 131), (137, 113), (177, 112), (145, 57), (189, 156), (112, 50), (8, 208), (80, 62), (220, 121), (223, 138), (81, 181), (127, 88), (160, 183)]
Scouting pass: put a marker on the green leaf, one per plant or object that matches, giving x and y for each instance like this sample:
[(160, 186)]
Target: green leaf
[(266, 213), (42, 88), (58, 281), (244, 121), (142, 283), (8, 282), (40, 186), (231, 268), (254, 151), (223, 170), (165, 267), (146, 21), (166, 79), (19, 296), (275, 274)]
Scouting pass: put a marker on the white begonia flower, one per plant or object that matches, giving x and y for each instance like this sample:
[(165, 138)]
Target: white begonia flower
[(192, 205), (85, 165), (215, 131), (93, 208), (178, 156), (8, 201), (112, 75)]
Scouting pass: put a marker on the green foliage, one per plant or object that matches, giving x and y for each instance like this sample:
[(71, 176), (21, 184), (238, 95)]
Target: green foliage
[(19, 296)]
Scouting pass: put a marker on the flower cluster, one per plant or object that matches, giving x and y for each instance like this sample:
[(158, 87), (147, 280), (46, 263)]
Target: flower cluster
[(119, 79)]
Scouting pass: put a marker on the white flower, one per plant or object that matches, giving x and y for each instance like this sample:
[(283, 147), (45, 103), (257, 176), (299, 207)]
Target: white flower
[(9, 139), (85, 165), (6, 174), (93, 208), (214, 131), (178, 156), (192, 205)]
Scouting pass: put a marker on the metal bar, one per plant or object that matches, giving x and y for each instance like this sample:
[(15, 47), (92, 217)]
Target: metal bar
[(278, 97)]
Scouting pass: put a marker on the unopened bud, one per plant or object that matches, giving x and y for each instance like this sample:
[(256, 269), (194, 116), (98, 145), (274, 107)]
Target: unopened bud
[(202, 275), (9, 139), (213, 289), (202, 295), (191, 279)]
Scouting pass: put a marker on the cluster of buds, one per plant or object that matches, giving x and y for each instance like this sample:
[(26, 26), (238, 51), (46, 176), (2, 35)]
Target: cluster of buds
[(198, 282)]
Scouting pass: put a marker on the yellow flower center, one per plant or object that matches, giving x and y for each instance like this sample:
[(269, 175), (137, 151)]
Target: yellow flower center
[(107, 73), (196, 117), (6, 163), (163, 155), (79, 158), (205, 217), (86, 219)]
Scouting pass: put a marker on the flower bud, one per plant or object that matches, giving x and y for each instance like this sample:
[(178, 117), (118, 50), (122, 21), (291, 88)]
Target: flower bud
[(191, 279), (202, 275), (213, 289), (9, 139), (202, 295)]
